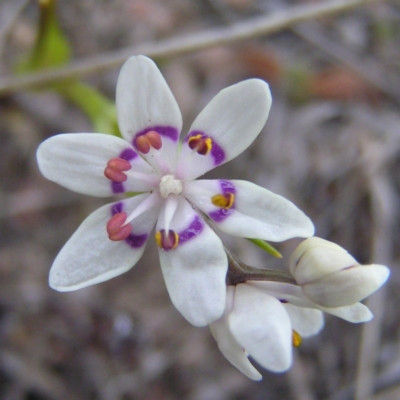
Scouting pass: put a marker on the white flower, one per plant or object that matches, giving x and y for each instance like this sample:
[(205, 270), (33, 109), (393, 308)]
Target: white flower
[(148, 160), (330, 276), (260, 325), (263, 320)]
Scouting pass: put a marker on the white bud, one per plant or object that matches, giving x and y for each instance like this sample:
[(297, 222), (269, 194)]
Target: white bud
[(331, 277)]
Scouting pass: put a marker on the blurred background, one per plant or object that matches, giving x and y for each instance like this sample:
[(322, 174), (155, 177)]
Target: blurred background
[(331, 145)]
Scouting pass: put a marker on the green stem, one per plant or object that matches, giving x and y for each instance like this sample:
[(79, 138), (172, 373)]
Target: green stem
[(239, 272)]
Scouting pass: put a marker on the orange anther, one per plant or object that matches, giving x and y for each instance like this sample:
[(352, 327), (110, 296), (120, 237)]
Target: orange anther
[(114, 169), (119, 164), (114, 175), (154, 139), (115, 228), (149, 139)]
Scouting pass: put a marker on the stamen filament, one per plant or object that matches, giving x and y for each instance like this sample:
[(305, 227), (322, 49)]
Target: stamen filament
[(150, 202)]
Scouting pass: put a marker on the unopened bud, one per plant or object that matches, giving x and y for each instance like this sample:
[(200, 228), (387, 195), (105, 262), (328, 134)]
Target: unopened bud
[(330, 276)]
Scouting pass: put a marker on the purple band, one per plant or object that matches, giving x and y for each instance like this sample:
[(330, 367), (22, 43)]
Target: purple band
[(166, 131), (135, 241), (128, 154), (223, 213), (194, 229), (117, 187), (227, 187), (117, 208), (217, 153)]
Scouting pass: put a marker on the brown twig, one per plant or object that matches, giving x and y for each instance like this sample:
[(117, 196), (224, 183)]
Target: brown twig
[(187, 44)]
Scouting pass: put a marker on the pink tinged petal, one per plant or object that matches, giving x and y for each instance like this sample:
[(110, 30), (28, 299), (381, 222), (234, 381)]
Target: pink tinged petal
[(90, 257), (78, 161), (255, 213), (232, 120), (262, 327), (195, 268), (146, 104), (228, 345), (347, 286), (306, 321)]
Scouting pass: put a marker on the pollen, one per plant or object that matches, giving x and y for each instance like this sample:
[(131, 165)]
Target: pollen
[(223, 200), (116, 229), (202, 144), (115, 168), (296, 339), (167, 241), (150, 139)]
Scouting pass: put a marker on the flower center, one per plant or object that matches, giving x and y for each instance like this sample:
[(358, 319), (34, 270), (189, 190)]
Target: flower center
[(170, 185)]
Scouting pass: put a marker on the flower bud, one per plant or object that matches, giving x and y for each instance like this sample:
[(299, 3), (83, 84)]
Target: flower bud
[(330, 276)]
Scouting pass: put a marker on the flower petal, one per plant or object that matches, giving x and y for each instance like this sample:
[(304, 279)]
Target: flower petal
[(255, 212), (294, 295), (356, 313), (90, 257), (145, 103), (232, 120), (77, 161), (347, 286), (228, 345), (306, 321), (195, 270), (262, 327)]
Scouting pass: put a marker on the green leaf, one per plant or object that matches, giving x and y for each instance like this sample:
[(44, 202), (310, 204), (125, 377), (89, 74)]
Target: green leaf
[(100, 110), (266, 247), (51, 48)]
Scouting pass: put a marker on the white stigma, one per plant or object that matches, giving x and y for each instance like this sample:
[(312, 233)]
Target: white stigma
[(170, 185)]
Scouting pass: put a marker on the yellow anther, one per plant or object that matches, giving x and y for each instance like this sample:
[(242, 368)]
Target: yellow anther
[(223, 200), (167, 241), (296, 339), (202, 144)]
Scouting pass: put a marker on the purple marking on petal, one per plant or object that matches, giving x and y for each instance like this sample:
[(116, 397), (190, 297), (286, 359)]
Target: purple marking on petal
[(117, 208), (128, 154), (220, 215), (117, 187), (227, 186), (136, 241), (217, 153), (194, 229), (167, 131)]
